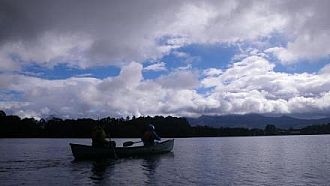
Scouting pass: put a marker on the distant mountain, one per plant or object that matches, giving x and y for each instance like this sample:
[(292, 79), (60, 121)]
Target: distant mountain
[(254, 121)]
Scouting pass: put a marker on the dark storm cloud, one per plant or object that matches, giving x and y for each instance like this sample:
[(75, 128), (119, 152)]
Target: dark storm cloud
[(118, 30), (15, 22), (128, 30)]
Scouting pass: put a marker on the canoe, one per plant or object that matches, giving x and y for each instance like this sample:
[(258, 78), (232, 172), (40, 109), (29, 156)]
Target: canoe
[(89, 152)]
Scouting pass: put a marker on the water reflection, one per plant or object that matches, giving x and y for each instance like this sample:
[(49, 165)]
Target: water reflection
[(134, 170), (100, 168), (150, 166)]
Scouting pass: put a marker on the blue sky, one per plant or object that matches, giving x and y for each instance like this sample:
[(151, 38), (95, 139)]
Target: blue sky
[(183, 58), (198, 57), (63, 71)]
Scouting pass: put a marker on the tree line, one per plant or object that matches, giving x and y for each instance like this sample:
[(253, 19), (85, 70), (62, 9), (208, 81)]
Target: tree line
[(12, 126)]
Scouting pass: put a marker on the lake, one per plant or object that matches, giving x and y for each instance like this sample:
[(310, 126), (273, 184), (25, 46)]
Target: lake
[(273, 160)]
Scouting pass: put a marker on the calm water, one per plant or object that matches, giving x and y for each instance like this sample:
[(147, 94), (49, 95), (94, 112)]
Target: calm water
[(278, 160)]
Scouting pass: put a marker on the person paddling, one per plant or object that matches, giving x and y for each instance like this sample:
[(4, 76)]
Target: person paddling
[(99, 138), (150, 136)]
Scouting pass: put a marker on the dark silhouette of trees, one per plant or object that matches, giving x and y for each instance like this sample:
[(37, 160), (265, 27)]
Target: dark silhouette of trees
[(270, 130), (12, 126), (2, 114), (316, 129)]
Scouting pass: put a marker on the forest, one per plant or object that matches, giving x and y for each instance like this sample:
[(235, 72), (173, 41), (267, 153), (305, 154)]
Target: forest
[(12, 126)]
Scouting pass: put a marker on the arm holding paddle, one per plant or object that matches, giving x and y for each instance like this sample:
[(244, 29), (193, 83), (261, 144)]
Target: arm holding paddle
[(148, 137), (156, 136)]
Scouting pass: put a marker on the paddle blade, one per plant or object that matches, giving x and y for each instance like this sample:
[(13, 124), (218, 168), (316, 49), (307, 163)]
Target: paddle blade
[(128, 143)]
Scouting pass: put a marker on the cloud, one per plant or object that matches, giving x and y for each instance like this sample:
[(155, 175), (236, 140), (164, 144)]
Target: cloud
[(92, 34), (212, 72), (181, 54), (250, 85), (325, 70), (308, 47), (161, 66), (182, 79), (253, 86), (115, 33), (283, 55), (307, 29), (125, 94), (47, 50), (85, 34), (104, 32)]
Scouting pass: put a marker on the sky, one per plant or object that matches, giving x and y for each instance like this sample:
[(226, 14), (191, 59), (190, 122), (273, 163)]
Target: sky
[(79, 58)]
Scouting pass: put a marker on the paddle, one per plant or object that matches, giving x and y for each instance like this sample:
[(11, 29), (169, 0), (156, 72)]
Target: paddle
[(113, 150), (112, 147), (129, 143)]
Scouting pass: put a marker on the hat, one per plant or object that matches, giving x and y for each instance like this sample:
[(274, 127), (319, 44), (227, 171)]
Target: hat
[(151, 127)]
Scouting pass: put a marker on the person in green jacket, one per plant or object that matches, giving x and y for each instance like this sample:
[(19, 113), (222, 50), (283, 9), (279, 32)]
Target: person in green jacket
[(99, 138)]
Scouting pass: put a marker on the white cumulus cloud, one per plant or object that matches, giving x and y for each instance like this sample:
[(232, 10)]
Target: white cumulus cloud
[(161, 66), (250, 85)]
